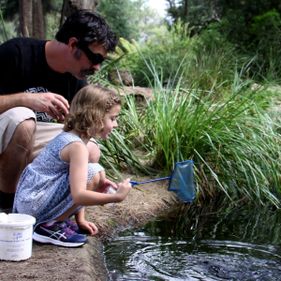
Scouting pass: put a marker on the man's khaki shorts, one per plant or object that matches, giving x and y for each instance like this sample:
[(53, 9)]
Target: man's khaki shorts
[(10, 119)]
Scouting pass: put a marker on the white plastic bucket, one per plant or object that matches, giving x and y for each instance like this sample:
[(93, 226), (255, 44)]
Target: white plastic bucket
[(16, 236)]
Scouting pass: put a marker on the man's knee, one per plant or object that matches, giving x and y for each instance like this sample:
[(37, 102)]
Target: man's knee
[(16, 123), (15, 158), (24, 134)]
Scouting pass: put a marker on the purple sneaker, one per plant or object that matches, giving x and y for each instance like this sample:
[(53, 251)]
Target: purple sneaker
[(74, 226), (60, 234)]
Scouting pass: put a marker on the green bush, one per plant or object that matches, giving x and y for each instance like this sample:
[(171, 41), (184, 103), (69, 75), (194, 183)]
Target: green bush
[(266, 33)]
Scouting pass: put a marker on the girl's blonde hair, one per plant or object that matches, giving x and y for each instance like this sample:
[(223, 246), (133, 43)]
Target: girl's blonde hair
[(88, 108)]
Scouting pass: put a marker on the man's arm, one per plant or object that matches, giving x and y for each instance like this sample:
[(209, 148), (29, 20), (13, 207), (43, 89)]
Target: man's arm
[(53, 104)]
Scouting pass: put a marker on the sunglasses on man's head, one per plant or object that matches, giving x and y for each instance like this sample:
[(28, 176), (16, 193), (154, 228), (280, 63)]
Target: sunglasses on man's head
[(93, 57)]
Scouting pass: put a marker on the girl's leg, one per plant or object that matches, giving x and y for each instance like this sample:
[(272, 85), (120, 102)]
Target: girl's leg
[(71, 211), (94, 151), (96, 177)]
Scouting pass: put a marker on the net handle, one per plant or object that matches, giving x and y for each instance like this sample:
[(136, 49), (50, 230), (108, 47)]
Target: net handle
[(133, 183)]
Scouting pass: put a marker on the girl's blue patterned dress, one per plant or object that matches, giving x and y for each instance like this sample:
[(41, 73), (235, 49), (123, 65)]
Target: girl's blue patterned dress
[(43, 189)]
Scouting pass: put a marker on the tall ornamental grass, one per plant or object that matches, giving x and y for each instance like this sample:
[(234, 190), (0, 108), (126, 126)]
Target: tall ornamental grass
[(203, 108), (232, 140)]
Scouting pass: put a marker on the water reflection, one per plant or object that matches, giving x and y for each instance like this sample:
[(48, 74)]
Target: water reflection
[(237, 245)]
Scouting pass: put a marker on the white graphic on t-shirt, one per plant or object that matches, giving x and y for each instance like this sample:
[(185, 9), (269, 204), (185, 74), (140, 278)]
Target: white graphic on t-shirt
[(41, 116)]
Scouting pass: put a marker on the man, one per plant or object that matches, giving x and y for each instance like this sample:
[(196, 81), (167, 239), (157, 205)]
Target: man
[(38, 80)]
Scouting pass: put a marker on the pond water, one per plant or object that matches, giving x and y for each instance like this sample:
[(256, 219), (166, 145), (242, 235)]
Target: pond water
[(234, 244)]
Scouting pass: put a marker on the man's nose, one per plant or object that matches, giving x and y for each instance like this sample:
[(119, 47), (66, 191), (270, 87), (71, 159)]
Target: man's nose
[(96, 66)]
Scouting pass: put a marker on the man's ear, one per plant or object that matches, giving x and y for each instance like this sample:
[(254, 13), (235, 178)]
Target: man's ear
[(72, 42)]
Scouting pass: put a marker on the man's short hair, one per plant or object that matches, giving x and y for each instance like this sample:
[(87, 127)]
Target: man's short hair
[(88, 27)]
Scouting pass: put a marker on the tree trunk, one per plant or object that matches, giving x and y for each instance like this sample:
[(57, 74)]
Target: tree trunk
[(186, 8), (32, 18), (38, 20), (70, 6), (25, 7)]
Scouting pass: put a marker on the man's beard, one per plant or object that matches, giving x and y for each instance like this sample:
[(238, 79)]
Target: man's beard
[(87, 72)]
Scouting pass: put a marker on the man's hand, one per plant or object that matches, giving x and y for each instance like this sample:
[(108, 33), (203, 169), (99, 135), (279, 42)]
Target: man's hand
[(53, 104)]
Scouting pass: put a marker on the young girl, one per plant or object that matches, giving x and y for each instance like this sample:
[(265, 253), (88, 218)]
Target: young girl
[(60, 180)]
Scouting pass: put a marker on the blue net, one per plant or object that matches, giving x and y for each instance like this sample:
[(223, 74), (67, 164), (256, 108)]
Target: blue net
[(182, 181)]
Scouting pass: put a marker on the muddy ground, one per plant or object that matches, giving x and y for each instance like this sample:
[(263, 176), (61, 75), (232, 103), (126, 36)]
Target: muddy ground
[(51, 263)]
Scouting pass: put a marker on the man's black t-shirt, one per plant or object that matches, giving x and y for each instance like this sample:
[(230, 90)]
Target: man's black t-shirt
[(24, 69)]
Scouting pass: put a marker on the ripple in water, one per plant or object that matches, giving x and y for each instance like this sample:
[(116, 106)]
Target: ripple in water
[(140, 257)]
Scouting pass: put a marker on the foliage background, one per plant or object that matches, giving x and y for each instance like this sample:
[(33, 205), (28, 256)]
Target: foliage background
[(214, 70)]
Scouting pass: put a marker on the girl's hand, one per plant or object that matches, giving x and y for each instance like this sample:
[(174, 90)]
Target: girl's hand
[(90, 227), (106, 185), (124, 188), (108, 182)]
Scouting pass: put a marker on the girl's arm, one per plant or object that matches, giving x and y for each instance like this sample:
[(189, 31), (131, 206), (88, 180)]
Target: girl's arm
[(77, 154)]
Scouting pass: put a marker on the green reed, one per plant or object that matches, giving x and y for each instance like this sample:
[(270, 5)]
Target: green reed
[(231, 139)]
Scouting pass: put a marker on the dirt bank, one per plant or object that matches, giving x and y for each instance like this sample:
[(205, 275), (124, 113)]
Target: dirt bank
[(51, 263)]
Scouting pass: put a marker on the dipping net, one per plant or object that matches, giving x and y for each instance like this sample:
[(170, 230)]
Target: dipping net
[(182, 181)]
